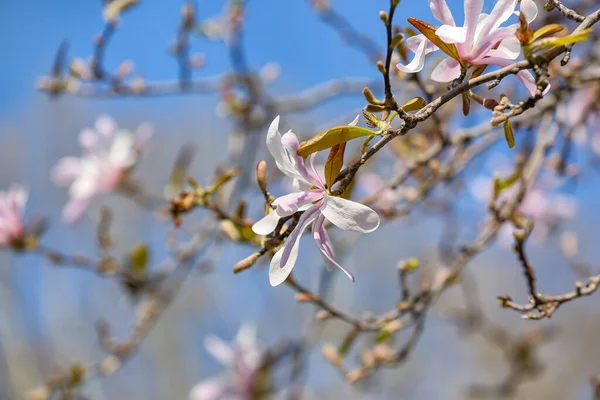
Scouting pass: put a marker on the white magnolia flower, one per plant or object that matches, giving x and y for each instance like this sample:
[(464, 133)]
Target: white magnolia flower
[(314, 199)]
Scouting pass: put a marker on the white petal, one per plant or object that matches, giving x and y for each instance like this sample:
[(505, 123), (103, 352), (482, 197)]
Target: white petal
[(349, 215), (279, 272), (418, 61), (452, 34), (290, 203), (472, 14), (122, 152), (354, 121), (220, 350), (246, 336), (75, 209), (510, 47), (267, 224), (446, 71), (211, 389), (66, 171), (88, 139), (530, 10)]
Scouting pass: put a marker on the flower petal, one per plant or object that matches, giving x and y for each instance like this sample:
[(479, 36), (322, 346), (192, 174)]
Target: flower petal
[(294, 239), (472, 12), (441, 12), (280, 268), (349, 215), (106, 126), (290, 203), (446, 71), (211, 389), (75, 209), (424, 47), (220, 350), (66, 171), (500, 13), (324, 245), (530, 10), (511, 48), (452, 34), (267, 224), (122, 152)]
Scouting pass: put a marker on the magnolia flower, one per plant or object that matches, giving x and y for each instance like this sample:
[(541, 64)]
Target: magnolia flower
[(109, 155), (475, 41), (243, 358), (12, 203), (314, 200)]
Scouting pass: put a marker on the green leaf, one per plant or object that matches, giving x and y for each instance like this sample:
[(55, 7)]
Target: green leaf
[(331, 137), (382, 336), (547, 30), (334, 163), (414, 104), (502, 184), (549, 43), (138, 258), (509, 134), (429, 32)]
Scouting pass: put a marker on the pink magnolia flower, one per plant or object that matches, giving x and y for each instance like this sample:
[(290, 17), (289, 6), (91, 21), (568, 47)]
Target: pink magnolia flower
[(314, 199), (12, 203), (475, 40), (243, 358), (109, 155)]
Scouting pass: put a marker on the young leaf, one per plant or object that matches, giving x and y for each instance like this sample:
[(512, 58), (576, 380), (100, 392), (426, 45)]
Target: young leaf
[(549, 43), (331, 137), (414, 104), (334, 163), (509, 134), (502, 184), (429, 32), (138, 258), (547, 30)]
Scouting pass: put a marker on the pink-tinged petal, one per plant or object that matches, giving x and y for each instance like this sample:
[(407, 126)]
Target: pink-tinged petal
[(19, 194), (294, 239), (324, 245), (86, 184), (413, 43), (75, 209), (279, 269), (88, 140), (509, 47), (320, 183), (291, 145), (452, 34), (209, 390), (501, 12), (106, 126), (66, 171), (530, 10), (484, 46), (267, 224), (472, 12), (446, 71), (418, 61), (220, 350), (290, 203), (441, 12), (350, 215)]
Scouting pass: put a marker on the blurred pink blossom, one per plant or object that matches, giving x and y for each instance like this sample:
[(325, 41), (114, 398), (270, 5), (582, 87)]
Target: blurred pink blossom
[(242, 358), (109, 155), (12, 204), (542, 203)]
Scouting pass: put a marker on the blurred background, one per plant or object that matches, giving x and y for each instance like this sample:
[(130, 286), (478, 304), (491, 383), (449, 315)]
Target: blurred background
[(48, 313)]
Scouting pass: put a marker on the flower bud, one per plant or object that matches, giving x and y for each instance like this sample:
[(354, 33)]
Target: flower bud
[(246, 263), (332, 355)]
